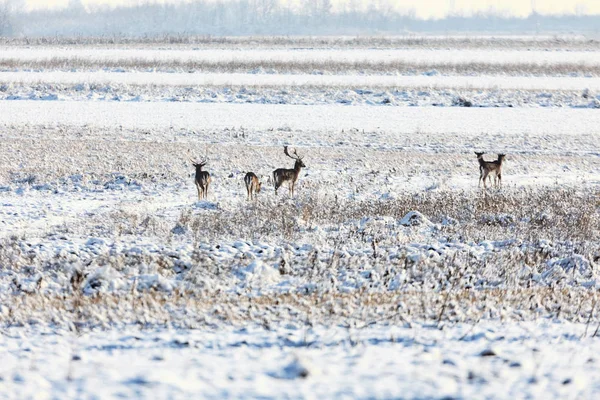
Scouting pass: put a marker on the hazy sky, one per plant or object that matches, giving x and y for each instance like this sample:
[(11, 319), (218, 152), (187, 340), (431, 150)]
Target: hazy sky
[(423, 8)]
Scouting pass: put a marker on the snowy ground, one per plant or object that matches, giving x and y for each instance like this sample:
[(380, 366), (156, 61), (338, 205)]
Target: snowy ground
[(425, 56), (489, 360), (389, 275), (299, 80)]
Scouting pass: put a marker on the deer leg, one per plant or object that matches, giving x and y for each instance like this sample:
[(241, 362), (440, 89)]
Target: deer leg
[(485, 175), (199, 193)]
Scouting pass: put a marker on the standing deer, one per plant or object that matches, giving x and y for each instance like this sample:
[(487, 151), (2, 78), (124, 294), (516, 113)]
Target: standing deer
[(202, 179), (281, 175), (498, 169), (252, 185), (490, 167), (482, 163)]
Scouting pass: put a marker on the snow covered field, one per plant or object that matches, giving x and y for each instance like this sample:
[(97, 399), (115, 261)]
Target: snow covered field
[(242, 55), (83, 79), (390, 274), (489, 360)]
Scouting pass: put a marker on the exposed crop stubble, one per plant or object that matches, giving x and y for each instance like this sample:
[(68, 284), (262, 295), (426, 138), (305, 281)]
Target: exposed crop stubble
[(542, 264), (400, 41), (307, 66)]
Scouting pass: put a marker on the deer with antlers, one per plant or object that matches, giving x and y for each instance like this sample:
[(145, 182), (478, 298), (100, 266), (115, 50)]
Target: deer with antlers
[(490, 167), (202, 179), (252, 185), (282, 175)]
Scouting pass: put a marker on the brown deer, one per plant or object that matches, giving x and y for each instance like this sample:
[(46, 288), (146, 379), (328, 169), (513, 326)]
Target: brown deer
[(498, 169), (282, 175), (202, 179), (490, 167), (482, 163), (252, 185)]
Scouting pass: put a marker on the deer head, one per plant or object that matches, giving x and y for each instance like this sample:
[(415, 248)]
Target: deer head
[(199, 164)]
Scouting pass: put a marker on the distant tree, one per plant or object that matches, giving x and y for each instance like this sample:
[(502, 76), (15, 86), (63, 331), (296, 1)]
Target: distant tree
[(9, 10), (265, 9), (269, 17), (5, 20), (318, 11), (75, 8), (243, 13)]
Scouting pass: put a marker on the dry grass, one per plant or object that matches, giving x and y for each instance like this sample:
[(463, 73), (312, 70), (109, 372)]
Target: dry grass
[(525, 214), (346, 260), (397, 274), (36, 156), (308, 66), (531, 227), (404, 41), (354, 310)]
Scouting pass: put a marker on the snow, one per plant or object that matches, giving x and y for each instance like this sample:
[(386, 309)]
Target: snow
[(266, 80), (420, 56), (490, 360), (388, 275), (526, 123)]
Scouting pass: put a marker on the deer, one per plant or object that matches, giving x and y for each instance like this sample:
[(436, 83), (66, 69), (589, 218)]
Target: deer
[(252, 185), (482, 163), (282, 175), (490, 167), (202, 179), (498, 169)]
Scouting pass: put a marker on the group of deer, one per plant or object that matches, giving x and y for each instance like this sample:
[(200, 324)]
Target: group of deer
[(487, 169), (253, 185)]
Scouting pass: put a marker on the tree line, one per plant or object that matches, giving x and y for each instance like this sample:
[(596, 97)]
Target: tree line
[(266, 17)]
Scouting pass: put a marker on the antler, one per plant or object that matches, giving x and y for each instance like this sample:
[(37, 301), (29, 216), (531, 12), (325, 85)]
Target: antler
[(285, 150), (200, 163)]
